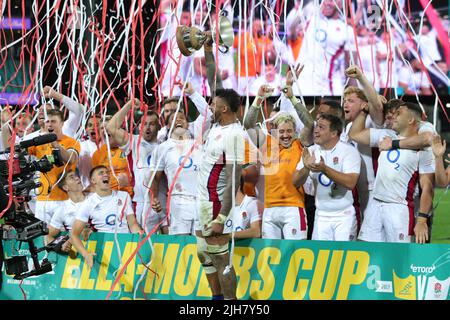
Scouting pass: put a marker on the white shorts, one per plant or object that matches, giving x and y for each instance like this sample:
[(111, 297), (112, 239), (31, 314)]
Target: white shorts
[(183, 215), (387, 222), (150, 216), (339, 227), (44, 210), (284, 223)]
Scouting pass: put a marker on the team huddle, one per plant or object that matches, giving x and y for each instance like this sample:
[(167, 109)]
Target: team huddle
[(352, 172)]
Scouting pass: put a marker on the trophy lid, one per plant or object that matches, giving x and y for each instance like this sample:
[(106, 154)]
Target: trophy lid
[(226, 34)]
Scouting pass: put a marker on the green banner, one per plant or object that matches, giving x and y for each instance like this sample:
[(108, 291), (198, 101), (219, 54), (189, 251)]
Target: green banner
[(266, 269)]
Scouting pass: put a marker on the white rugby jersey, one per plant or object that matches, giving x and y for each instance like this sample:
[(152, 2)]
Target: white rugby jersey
[(224, 145), (105, 212), (141, 164), (369, 155), (242, 216), (65, 214), (87, 149), (322, 49), (169, 157), (332, 197), (399, 170)]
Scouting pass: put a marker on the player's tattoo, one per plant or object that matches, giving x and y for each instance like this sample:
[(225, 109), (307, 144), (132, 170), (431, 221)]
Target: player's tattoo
[(213, 74)]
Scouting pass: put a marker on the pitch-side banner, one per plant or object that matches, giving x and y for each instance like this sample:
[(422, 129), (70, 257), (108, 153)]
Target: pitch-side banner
[(266, 269)]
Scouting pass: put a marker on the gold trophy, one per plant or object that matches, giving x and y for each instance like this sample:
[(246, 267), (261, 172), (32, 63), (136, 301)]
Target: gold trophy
[(191, 39)]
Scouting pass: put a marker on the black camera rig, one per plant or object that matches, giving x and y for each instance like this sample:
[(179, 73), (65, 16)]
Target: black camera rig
[(17, 174)]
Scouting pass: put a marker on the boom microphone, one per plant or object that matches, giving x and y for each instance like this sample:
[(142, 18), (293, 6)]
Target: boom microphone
[(39, 140)]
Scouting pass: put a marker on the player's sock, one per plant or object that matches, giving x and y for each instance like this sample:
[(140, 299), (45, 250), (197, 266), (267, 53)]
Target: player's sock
[(217, 297)]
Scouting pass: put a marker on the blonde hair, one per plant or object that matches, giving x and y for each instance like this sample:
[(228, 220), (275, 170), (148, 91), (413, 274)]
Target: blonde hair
[(359, 93)]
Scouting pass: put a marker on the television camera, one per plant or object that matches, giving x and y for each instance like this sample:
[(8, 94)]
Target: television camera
[(17, 172)]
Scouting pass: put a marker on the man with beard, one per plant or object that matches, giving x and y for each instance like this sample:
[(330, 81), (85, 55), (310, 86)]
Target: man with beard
[(334, 167), (390, 216), (141, 147), (218, 181)]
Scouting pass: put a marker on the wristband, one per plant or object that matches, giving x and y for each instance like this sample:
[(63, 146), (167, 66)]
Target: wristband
[(294, 100), (423, 215), (220, 219), (256, 99), (395, 144)]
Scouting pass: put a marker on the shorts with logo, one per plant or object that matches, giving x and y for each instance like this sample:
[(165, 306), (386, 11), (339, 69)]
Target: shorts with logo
[(387, 222), (152, 219), (183, 215), (335, 226), (284, 223)]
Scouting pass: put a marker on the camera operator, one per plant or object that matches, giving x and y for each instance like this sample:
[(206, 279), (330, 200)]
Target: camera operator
[(67, 149), (106, 209), (64, 215)]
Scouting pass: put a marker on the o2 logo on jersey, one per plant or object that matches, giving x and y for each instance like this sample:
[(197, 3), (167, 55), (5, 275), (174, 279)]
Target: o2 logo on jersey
[(149, 158), (393, 156), (189, 163), (324, 180), (321, 36), (110, 220)]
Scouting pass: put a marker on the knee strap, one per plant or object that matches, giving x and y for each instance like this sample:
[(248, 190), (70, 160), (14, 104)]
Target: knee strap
[(205, 258), (217, 249)]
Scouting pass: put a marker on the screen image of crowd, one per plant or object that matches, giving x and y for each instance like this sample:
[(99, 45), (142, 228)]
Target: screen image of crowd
[(230, 149)]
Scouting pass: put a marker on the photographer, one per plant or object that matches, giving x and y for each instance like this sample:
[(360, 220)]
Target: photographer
[(66, 150)]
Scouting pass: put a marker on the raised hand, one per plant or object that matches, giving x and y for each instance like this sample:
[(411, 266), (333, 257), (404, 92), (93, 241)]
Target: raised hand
[(265, 91), (354, 72), (319, 167), (438, 146), (308, 159), (289, 76)]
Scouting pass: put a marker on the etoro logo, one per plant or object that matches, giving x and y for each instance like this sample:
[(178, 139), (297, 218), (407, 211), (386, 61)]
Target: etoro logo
[(421, 269)]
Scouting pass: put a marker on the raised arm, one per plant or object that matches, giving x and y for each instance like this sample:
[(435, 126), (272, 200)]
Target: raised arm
[(114, 125), (254, 132), (6, 123), (76, 110), (213, 74), (300, 108), (442, 177), (375, 101)]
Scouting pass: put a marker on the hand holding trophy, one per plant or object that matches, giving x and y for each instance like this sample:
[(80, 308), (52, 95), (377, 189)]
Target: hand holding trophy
[(191, 39)]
